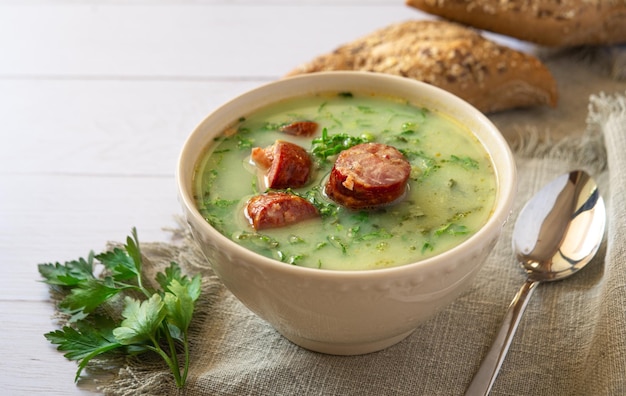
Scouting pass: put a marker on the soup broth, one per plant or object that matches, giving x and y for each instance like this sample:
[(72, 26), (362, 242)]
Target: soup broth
[(449, 196)]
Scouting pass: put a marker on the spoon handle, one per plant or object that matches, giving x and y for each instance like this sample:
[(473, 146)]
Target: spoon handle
[(488, 371)]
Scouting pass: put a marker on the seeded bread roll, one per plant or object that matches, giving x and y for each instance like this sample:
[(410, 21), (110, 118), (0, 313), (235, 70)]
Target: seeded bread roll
[(458, 59), (545, 22)]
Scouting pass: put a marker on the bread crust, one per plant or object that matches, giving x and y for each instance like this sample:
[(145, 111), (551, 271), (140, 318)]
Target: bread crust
[(490, 76), (544, 22)]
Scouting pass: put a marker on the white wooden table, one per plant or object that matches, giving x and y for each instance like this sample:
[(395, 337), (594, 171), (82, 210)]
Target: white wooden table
[(96, 100)]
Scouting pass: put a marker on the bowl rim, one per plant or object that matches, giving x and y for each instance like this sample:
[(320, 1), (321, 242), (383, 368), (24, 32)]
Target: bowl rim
[(506, 183)]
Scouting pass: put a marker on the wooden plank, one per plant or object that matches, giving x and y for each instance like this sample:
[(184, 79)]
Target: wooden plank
[(96, 99), (32, 365), (170, 41), (49, 218), (148, 3), (104, 127)]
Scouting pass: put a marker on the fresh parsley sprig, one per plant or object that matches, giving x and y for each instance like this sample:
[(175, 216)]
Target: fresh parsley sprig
[(149, 318)]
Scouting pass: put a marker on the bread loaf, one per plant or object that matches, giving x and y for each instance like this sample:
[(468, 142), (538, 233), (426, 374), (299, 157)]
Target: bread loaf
[(458, 59), (545, 22)]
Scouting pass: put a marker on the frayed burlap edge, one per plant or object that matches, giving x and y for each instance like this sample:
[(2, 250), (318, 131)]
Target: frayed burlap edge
[(589, 149)]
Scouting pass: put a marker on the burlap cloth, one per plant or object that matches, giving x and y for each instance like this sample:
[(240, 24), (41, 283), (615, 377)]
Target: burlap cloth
[(571, 340)]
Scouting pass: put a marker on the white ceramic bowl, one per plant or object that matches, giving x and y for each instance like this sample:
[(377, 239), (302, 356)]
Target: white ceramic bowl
[(346, 312)]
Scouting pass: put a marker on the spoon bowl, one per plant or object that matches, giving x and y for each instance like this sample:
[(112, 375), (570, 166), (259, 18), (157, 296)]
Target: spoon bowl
[(560, 229), (556, 234)]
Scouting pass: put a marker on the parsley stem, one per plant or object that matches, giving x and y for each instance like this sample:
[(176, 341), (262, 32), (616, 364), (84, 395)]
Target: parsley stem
[(172, 346), (174, 368), (186, 345), (137, 288), (145, 291)]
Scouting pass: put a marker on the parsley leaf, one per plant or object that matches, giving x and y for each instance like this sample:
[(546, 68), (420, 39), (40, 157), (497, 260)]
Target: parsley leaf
[(119, 263), (141, 321), (83, 341), (69, 274), (179, 302), (88, 296)]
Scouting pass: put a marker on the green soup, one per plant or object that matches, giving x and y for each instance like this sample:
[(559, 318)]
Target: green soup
[(450, 193)]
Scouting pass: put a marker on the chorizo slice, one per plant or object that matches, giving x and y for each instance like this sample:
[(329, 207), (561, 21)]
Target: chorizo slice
[(287, 164), (368, 175), (300, 128), (278, 209)]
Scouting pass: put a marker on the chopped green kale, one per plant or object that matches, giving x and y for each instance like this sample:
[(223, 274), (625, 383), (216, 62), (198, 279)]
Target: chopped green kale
[(329, 145)]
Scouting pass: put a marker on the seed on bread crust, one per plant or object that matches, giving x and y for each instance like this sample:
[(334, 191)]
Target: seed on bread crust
[(490, 76)]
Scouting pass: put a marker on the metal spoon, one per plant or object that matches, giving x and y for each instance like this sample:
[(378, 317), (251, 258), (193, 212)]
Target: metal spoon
[(556, 234)]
